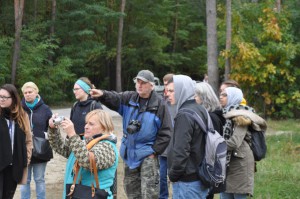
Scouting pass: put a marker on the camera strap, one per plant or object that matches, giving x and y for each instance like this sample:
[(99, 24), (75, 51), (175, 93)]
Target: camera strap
[(141, 109)]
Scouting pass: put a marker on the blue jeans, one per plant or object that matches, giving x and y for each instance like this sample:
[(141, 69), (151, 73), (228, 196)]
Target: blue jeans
[(38, 171), (163, 188), (189, 190), (232, 196)]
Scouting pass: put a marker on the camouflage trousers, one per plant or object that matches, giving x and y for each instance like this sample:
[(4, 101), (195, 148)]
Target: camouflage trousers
[(142, 182)]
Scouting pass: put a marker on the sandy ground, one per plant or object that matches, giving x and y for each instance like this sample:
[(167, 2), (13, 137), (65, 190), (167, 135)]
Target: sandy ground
[(55, 168)]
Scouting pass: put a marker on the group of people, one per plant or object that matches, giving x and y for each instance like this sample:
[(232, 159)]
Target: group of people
[(24, 119), (157, 143)]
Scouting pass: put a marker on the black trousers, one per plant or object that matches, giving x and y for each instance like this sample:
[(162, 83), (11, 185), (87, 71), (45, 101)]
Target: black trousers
[(7, 184)]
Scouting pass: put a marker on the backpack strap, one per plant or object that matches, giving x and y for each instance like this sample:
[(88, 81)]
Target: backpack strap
[(93, 104), (75, 103), (199, 120)]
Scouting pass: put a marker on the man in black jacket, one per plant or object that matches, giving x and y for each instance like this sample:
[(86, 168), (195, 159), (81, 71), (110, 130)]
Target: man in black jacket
[(188, 141)]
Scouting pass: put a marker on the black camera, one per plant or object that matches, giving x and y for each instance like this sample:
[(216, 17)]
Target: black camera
[(133, 126)]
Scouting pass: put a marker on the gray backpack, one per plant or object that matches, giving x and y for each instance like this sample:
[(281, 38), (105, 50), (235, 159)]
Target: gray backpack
[(212, 170)]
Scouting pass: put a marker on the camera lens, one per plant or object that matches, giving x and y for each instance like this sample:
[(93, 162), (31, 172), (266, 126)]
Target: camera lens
[(133, 126)]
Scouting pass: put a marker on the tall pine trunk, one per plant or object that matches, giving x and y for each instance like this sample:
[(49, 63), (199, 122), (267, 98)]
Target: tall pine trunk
[(53, 16), (119, 49), (212, 45), (19, 8), (228, 40), (175, 27)]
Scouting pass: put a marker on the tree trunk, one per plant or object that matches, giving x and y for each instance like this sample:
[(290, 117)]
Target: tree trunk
[(35, 10), (212, 49), (119, 49), (53, 16), (278, 5), (228, 40), (19, 8), (175, 27)]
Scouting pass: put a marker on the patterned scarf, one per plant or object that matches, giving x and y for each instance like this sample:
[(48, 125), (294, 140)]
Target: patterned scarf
[(228, 128)]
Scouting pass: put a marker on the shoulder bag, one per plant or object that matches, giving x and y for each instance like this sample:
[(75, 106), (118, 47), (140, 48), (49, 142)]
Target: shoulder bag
[(41, 148)]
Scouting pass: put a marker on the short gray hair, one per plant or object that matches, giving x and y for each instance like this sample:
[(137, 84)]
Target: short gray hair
[(208, 97)]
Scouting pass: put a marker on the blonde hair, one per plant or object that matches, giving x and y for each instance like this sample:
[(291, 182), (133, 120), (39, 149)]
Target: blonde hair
[(104, 120), (30, 85)]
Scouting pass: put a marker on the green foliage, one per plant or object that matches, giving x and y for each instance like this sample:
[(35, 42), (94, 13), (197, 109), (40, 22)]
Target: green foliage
[(36, 65), (263, 50), (161, 35), (5, 48)]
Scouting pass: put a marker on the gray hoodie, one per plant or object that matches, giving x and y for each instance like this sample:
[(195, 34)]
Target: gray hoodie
[(184, 88)]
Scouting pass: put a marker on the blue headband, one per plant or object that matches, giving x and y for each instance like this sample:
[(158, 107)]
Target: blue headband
[(84, 86)]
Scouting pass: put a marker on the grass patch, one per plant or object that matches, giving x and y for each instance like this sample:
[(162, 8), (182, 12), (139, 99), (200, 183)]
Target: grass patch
[(278, 175)]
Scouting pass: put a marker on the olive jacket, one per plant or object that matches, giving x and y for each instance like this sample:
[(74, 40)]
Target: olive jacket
[(240, 172)]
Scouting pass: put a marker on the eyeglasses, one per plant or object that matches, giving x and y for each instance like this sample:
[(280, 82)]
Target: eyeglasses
[(76, 89), (170, 90), (4, 98), (223, 95)]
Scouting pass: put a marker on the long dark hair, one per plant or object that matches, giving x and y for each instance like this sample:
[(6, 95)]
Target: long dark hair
[(17, 112)]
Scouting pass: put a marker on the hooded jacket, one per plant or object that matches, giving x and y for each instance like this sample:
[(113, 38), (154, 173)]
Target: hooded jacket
[(240, 173), (187, 144)]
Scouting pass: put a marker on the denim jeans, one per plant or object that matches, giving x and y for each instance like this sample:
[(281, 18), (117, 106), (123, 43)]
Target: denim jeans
[(232, 196), (189, 190), (163, 188), (38, 171)]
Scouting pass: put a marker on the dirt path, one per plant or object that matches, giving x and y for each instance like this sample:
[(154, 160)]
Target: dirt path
[(55, 168)]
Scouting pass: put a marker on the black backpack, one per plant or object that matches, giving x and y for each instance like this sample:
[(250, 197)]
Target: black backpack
[(258, 144), (212, 170)]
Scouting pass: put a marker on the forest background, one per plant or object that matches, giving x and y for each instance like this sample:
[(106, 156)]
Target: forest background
[(255, 42)]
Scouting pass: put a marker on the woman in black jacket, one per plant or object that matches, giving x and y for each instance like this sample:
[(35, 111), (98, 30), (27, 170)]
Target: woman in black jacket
[(15, 141), (205, 95), (39, 114), (84, 103)]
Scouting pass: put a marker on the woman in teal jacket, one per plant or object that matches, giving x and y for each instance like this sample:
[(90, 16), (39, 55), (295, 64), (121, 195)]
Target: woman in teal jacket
[(98, 123)]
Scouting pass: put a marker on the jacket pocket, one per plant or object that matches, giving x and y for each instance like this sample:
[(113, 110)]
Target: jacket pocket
[(238, 153)]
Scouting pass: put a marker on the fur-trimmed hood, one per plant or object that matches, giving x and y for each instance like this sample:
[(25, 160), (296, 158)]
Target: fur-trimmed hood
[(245, 118)]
